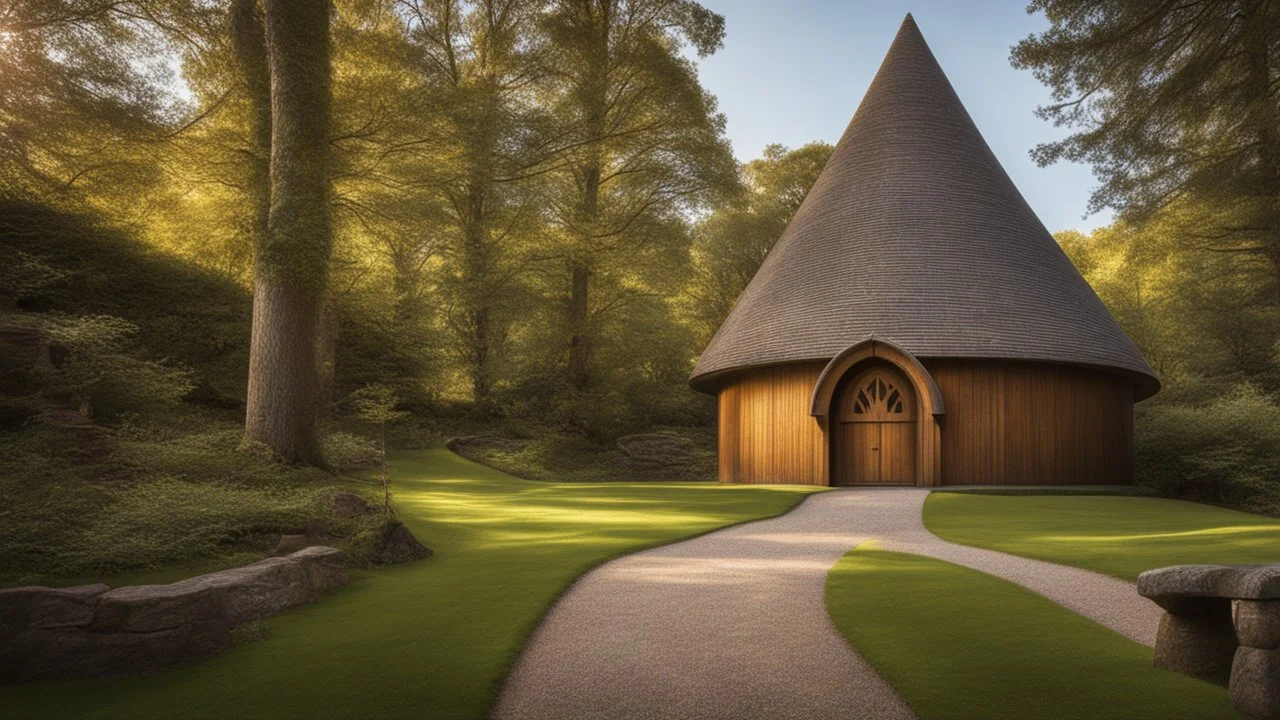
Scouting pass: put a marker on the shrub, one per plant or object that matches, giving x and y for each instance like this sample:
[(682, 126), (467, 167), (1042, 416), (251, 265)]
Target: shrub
[(150, 496), (166, 520), (345, 451), (1225, 451), (102, 369)]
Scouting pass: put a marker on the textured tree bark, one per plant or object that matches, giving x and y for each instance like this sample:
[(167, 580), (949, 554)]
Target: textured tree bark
[(291, 266)]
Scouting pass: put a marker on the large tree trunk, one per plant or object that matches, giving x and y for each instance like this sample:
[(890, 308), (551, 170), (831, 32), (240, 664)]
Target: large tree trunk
[(291, 267)]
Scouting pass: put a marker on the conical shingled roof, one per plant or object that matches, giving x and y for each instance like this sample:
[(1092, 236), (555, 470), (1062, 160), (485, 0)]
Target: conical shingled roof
[(914, 233)]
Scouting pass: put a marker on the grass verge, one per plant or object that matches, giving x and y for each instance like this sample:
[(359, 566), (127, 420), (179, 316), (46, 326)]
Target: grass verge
[(431, 639), (959, 644), (1119, 536)]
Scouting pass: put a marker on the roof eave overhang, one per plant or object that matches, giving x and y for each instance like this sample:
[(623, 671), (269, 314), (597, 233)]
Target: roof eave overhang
[(1144, 385)]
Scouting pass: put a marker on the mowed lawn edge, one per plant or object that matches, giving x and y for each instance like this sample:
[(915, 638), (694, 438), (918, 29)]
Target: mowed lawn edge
[(958, 644), (1117, 536), (434, 638)]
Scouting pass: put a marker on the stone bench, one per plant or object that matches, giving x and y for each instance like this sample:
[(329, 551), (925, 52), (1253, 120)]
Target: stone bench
[(1221, 622), (93, 630)]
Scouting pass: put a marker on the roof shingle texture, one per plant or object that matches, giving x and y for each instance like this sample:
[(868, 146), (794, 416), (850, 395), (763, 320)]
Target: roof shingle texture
[(914, 233)]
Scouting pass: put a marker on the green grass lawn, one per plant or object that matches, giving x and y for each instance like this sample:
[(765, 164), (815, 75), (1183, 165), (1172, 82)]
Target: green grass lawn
[(1120, 536), (959, 644), (432, 639)]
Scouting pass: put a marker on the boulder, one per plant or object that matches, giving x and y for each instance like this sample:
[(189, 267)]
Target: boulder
[(323, 566), (24, 608), (150, 608), (1255, 683), (1172, 587), (1200, 646), (349, 505), (1257, 623), (291, 543), (398, 545)]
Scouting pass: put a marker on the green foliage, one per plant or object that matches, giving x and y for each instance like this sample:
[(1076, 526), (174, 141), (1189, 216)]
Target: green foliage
[(1171, 101), (163, 521), (76, 266), (344, 451), (141, 497), (540, 453), (1225, 450), (731, 243), (1193, 314), (102, 370), (376, 404), (83, 82)]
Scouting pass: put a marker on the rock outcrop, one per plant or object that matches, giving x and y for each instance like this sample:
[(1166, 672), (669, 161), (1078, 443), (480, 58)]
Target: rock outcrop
[(398, 545)]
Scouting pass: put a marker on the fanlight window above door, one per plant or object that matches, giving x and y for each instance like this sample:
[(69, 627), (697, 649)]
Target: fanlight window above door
[(878, 396)]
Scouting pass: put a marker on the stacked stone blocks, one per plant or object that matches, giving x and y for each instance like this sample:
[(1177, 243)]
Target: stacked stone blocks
[(1222, 623)]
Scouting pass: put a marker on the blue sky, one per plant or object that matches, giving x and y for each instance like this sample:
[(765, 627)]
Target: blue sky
[(793, 71)]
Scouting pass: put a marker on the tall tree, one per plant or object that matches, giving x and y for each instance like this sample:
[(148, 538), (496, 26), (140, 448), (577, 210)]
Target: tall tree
[(291, 267), (87, 90), (479, 60), (731, 242), (1172, 99), (649, 147)]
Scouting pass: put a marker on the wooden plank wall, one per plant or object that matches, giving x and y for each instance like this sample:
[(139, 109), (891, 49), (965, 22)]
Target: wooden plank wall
[(1013, 423), (766, 434), (1006, 423)]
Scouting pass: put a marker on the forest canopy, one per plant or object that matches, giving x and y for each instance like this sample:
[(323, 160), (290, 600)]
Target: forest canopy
[(527, 211)]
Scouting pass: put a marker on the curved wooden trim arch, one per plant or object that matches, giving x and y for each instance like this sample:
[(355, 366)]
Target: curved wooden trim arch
[(929, 442)]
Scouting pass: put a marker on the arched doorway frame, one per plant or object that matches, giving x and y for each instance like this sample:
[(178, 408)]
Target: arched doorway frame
[(929, 413)]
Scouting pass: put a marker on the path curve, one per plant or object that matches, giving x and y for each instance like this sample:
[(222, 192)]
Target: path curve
[(733, 624)]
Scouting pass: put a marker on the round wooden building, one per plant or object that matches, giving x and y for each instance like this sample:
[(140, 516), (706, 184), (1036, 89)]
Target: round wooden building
[(916, 324)]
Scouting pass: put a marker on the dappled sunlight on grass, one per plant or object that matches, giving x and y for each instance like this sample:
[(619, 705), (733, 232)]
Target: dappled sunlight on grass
[(962, 645), (1250, 530), (1120, 536), (431, 639)]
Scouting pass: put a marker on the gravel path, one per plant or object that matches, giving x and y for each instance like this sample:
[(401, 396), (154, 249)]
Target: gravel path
[(733, 624)]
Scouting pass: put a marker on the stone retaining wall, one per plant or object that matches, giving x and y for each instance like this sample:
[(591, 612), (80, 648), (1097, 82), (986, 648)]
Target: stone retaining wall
[(92, 630)]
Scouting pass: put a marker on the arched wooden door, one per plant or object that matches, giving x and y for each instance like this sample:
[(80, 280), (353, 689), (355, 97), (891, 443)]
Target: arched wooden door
[(873, 436)]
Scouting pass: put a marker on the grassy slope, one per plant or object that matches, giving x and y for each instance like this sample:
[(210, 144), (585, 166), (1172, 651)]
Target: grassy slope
[(431, 639), (960, 644), (1120, 536)]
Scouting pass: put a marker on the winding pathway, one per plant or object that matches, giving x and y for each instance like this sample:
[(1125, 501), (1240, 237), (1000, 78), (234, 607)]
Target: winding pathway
[(733, 624)]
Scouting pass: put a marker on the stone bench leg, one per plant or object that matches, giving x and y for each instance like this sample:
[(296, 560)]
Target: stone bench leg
[(1255, 674), (1199, 640)]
